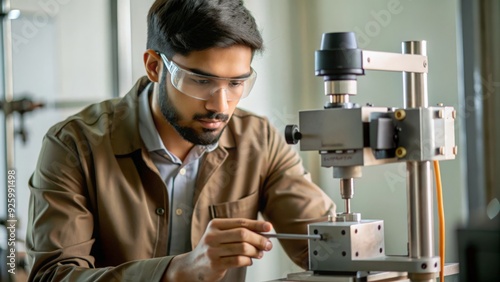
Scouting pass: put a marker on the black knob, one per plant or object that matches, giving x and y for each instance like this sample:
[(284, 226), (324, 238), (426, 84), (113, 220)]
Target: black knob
[(292, 134)]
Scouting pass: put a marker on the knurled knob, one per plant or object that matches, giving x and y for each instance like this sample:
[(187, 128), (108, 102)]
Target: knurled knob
[(292, 134)]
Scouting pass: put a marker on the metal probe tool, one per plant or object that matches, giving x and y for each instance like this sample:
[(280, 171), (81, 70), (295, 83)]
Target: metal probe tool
[(292, 236)]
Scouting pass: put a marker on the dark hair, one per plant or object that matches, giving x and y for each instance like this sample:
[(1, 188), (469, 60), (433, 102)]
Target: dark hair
[(183, 26)]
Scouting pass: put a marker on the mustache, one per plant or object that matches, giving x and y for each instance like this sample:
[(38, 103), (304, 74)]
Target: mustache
[(212, 115)]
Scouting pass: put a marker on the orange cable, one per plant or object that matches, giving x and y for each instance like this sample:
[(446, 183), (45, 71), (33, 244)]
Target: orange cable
[(442, 239)]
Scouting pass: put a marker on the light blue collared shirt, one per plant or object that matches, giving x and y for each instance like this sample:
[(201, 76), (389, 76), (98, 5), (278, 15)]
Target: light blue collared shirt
[(179, 177)]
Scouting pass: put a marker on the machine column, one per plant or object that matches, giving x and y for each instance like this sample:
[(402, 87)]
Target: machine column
[(419, 177)]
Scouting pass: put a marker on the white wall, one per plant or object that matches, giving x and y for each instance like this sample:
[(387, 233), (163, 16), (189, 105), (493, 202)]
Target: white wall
[(139, 14), (61, 54)]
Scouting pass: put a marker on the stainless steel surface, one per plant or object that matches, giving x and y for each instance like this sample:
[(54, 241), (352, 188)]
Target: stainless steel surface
[(436, 134), (432, 127), (394, 263), (421, 235), (344, 242), (348, 217), (450, 270), (347, 205), (353, 246), (377, 276), (292, 236), (419, 185), (347, 172), (320, 128), (339, 99), (415, 84), (373, 60), (341, 87), (342, 159), (346, 192)]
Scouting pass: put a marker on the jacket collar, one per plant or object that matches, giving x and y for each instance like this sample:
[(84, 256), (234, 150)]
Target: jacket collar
[(125, 137), (227, 139)]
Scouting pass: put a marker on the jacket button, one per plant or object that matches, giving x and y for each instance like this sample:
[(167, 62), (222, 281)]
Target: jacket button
[(160, 211)]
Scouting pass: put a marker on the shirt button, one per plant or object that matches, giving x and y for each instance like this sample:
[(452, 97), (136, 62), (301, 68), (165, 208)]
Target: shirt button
[(160, 211), (182, 171), (178, 211)]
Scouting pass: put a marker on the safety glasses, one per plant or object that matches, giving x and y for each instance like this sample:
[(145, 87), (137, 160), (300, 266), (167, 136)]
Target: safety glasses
[(203, 87)]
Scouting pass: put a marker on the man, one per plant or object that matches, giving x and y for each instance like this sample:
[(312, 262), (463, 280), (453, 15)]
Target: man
[(166, 183)]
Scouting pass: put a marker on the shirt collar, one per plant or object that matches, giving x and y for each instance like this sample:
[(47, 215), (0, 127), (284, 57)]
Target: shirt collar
[(147, 129)]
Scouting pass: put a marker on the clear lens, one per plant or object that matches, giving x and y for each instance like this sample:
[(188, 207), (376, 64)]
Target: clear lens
[(203, 87)]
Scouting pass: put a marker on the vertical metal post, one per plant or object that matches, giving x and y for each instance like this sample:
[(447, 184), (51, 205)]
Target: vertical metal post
[(7, 81), (415, 84), (8, 96), (419, 180)]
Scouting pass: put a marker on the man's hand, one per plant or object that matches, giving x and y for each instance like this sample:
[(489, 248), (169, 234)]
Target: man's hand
[(227, 243)]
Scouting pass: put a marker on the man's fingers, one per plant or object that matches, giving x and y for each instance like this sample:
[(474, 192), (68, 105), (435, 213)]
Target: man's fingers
[(235, 261), (239, 235), (227, 231), (241, 249), (231, 223)]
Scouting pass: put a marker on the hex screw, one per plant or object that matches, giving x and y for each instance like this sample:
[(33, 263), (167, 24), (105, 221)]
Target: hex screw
[(424, 265)]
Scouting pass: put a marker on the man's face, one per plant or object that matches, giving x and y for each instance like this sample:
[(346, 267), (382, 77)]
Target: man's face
[(202, 121)]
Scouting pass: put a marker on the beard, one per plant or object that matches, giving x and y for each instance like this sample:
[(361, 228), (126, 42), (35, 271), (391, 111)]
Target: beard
[(172, 115)]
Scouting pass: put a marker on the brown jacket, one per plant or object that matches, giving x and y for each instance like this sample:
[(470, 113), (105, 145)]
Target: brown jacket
[(99, 209)]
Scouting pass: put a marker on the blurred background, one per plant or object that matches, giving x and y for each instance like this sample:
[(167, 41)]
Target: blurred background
[(70, 53)]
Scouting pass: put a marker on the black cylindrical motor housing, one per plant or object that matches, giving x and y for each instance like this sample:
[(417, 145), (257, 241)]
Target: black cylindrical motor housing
[(339, 57)]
